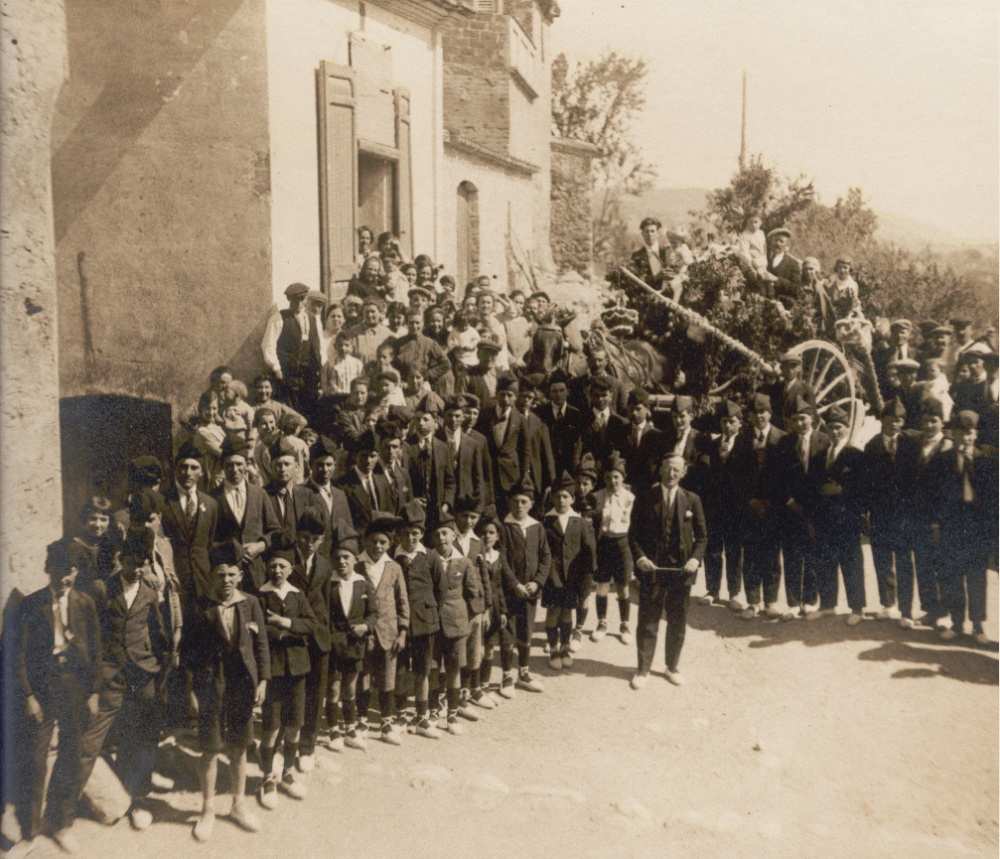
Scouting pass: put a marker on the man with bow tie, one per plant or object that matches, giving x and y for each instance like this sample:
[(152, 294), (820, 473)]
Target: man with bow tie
[(57, 663)]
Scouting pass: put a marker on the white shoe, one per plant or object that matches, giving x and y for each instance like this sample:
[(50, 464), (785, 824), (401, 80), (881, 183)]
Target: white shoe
[(772, 611), (854, 618), (483, 700), (808, 609), (791, 614), (638, 681), (907, 622), (674, 677), (306, 763), (707, 599), (335, 743), (390, 735), (884, 613), (292, 786), (268, 793), (529, 683), (749, 613), (625, 635), (599, 633), (947, 634), (736, 605), (555, 662), (425, 728), (244, 817), (508, 686), (567, 660), (466, 711), (454, 726), (981, 638), (355, 740), (141, 818), (823, 612)]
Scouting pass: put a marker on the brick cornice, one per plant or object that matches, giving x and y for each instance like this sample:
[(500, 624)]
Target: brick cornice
[(428, 13)]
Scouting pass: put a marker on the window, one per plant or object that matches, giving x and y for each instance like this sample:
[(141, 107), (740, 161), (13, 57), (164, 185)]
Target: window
[(377, 198)]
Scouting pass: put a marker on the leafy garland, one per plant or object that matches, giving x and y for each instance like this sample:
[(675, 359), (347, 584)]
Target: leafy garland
[(717, 289)]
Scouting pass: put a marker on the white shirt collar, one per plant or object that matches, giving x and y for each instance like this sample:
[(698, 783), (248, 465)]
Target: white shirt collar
[(401, 553), (286, 588), (454, 556), (523, 524)]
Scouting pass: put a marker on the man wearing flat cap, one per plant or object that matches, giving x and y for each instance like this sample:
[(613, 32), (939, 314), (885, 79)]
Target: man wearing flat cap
[(294, 349), (786, 268), (909, 392), (784, 392)]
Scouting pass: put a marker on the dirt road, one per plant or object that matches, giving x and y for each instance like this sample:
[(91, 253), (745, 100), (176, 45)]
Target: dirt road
[(789, 740)]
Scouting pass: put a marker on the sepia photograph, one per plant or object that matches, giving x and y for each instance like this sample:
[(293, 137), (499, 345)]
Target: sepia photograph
[(510, 428)]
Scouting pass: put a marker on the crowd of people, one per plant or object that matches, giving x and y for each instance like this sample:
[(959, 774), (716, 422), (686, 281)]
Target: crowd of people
[(341, 556)]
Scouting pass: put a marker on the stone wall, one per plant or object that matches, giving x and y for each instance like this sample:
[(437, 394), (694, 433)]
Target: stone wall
[(33, 69), (571, 231), (161, 184)]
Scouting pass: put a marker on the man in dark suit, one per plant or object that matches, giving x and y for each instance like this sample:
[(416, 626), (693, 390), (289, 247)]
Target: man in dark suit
[(786, 268), (394, 464), (644, 445), (289, 500), (682, 438), (565, 425), (57, 661), (762, 549), (834, 507), (539, 462), (784, 391), (668, 538), (604, 431), (598, 367), (505, 436), (725, 495), (136, 654), (793, 458), (898, 348), (366, 489), (323, 457), (481, 380), (190, 520), (651, 261), (469, 428), (467, 457), (246, 514), (889, 466), (432, 473)]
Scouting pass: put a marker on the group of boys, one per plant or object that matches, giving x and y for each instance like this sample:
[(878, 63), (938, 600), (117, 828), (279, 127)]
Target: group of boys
[(203, 605)]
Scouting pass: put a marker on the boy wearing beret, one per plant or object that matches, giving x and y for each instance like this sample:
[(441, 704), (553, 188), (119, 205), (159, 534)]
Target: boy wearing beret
[(290, 625), (392, 620), (352, 618)]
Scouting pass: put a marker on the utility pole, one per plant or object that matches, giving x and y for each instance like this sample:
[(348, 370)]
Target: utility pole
[(743, 124)]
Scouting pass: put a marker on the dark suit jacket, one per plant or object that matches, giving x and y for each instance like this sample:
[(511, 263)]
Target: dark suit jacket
[(339, 510), (601, 441), (726, 484), (473, 383), (529, 559), (298, 501), (360, 503), (131, 637), (789, 274), (888, 485), (642, 461), (478, 440), (289, 648), (345, 644), (508, 457), (647, 537), (191, 541), (837, 517), (564, 436), (641, 267), (437, 485), (469, 466), (35, 639), (260, 522), (204, 646), (422, 576), (574, 552), (795, 482), (782, 404), (539, 461), (317, 590)]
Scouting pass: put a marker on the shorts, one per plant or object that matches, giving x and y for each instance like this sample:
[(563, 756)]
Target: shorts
[(474, 642), (381, 666), (614, 560), (492, 635), (341, 667), (450, 652), (284, 703), (225, 696)]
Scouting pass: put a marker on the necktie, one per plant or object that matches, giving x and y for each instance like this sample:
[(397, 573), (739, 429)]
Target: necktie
[(830, 457), (282, 501), (760, 439), (372, 493), (804, 454), (59, 624), (891, 447), (192, 504), (727, 447), (965, 466)]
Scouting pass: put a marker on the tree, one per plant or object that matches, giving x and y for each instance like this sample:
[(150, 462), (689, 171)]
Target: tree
[(756, 189), (597, 103)]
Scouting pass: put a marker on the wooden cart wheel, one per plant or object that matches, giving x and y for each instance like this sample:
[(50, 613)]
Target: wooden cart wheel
[(831, 376)]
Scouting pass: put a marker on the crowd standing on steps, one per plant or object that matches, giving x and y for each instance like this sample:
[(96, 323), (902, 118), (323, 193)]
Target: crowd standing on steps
[(339, 557)]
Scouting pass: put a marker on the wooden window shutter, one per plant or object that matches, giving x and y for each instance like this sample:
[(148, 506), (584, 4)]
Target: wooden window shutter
[(404, 191), (338, 172)]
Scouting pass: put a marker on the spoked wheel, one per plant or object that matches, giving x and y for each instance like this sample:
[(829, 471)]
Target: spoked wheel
[(831, 376)]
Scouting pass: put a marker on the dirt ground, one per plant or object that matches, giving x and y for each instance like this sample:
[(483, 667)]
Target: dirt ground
[(788, 740)]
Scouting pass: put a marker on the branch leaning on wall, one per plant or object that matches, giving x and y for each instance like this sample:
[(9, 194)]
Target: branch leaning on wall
[(517, 253)]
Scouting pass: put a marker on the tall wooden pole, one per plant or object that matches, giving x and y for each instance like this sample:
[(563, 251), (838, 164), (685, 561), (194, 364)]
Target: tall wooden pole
[(743, 124)]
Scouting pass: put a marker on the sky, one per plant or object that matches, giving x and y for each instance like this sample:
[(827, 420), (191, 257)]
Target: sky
[(898, 98)]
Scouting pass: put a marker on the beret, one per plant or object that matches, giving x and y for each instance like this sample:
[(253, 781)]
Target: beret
[(836, 415), (933, 407), (616, 462), (894, 408), (507, 382), (637, 397), (323, 446), (446, 521), (967, 419), (412, 515), (468, 504), (383, 523), (471, 401), (566, 483), (234, 447), (682, 404), (730, 409), (311, 522), (761, 403), (187, 451)]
